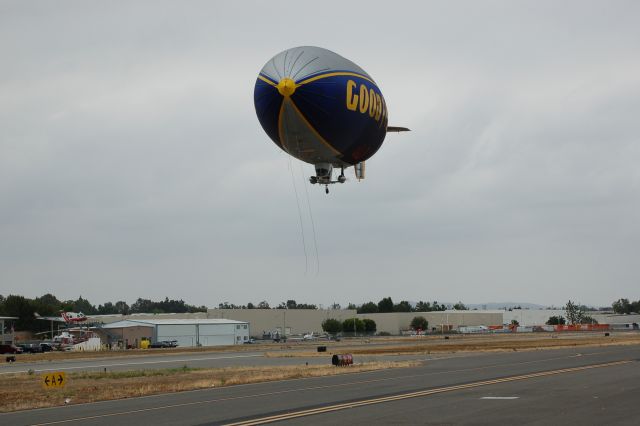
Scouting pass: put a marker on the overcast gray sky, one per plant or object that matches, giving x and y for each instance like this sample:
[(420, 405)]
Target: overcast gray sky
[(132, 163)]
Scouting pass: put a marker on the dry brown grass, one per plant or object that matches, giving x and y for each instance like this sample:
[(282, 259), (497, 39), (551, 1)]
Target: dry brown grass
[(91, 387)]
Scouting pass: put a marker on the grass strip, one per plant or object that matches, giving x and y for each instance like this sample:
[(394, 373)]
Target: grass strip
[(83, 387)]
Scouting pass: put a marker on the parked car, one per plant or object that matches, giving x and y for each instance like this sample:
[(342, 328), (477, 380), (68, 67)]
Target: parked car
[(164, 344), (10, 349), (31, 348), (46, 347)]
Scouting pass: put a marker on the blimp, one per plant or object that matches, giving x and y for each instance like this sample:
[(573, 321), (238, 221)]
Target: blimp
[(323, 109)]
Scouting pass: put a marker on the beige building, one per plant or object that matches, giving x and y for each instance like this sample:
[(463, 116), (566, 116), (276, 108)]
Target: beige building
[(617, 319), (301, 321), (287, 321), (397, 322)]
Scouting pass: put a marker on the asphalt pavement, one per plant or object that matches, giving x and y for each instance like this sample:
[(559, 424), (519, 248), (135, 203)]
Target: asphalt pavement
[(581, 385)]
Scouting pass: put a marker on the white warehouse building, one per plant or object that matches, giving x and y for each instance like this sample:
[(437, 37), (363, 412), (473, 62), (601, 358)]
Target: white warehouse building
[(187, 332)]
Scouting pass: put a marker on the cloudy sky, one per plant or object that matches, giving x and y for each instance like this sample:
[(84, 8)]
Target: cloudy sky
[(132, 163)]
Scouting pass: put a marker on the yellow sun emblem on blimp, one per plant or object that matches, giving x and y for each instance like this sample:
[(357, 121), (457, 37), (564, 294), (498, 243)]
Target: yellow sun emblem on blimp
[(286, 87)]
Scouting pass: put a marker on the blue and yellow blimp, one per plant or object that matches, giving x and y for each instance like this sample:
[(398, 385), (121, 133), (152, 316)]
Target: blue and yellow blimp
[(322, 109)]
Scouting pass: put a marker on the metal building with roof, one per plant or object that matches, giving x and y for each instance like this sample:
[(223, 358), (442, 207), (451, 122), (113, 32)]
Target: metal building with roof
[(186, 332), (7, 338)]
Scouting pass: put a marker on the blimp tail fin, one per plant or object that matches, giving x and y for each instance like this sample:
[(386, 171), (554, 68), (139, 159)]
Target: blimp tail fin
[(359, 170), (397, 129)]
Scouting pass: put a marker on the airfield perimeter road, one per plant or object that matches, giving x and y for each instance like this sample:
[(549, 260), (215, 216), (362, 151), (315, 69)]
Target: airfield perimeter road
[(597, 385)]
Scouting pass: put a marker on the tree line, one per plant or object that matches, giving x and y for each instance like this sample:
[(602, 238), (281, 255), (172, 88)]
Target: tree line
[(386, 305), (366, 325), (289, 304), (49, 305), (623, 306), (334, 326)]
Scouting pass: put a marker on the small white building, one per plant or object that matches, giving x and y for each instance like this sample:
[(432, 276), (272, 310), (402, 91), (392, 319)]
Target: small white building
[(186, 332), (7, 338)]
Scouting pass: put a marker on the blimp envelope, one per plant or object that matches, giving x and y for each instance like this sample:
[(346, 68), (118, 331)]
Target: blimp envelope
[(320, 107)]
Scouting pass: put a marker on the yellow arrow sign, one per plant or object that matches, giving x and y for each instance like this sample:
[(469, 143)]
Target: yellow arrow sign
[(54, 380)]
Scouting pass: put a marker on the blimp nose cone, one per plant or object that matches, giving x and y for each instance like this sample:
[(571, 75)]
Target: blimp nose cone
[(286, 87)]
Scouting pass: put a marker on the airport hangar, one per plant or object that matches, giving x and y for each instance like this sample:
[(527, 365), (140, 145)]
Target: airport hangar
[(186, 332)]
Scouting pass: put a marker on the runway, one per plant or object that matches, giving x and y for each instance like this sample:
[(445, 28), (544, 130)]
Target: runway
[(587, 385)]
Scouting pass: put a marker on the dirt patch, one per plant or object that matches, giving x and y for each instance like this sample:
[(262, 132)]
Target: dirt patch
[(28, 392)]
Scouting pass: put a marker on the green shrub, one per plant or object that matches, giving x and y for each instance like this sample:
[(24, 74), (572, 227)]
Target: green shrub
[(331, 326)]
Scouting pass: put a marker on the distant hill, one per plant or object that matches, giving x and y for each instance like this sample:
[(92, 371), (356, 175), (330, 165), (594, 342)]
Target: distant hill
[(498, 305), (506, 305)]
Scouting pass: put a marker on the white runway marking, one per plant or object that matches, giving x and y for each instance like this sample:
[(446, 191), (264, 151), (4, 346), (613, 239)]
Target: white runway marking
[(500, 397)]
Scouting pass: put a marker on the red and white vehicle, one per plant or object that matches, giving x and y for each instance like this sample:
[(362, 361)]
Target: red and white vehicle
[(73, 317), (67, 317)]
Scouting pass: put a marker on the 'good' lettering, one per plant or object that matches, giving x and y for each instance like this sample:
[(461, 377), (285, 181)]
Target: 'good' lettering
[(365, 100)]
